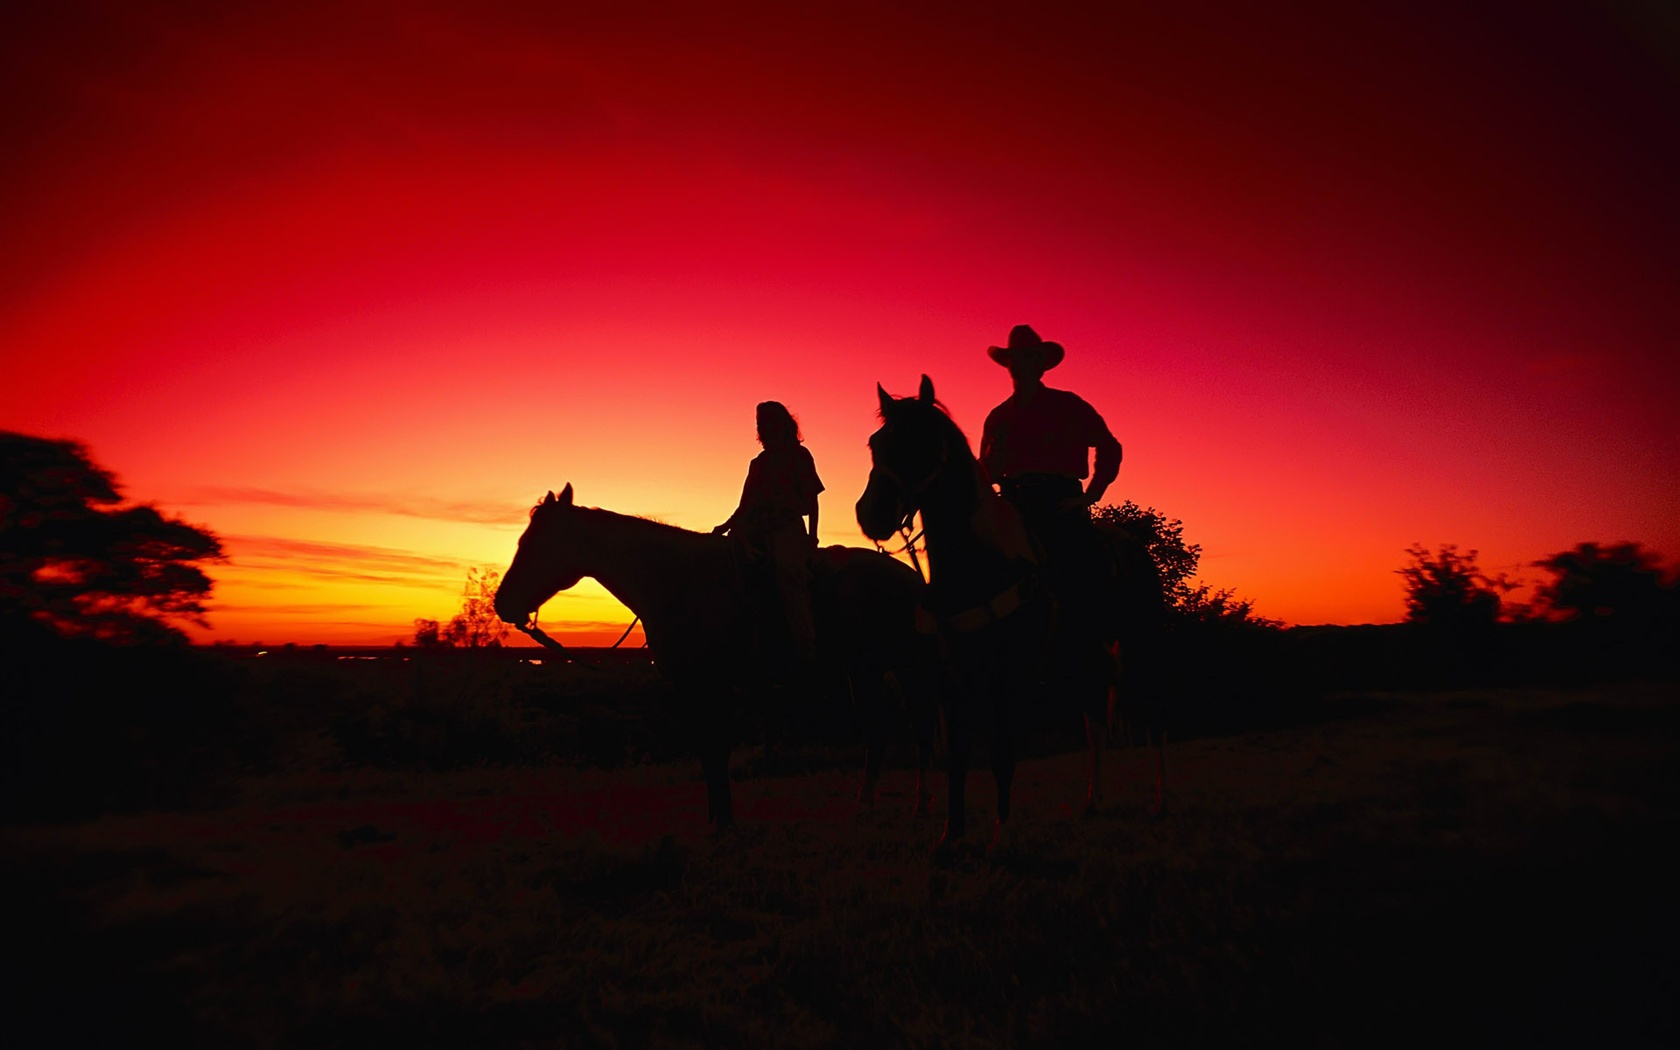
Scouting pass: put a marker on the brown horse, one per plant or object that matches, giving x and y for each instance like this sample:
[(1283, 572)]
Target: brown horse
[(710, 634), (1006, 632)]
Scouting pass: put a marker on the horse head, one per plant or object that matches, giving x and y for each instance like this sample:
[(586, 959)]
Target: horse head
[(908, 454), (540, 567)]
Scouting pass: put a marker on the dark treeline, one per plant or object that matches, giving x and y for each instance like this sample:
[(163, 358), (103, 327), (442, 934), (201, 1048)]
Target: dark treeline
[(106, 708), (91, 727)]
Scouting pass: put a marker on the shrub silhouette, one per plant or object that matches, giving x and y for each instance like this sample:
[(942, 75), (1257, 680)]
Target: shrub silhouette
[(1622, 582), (476, 626), (1177, 562), (73, 558), (1446, 589)]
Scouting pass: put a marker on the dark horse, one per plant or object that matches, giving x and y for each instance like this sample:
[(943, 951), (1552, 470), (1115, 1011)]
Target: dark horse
[(1005, 631), (708, 630)]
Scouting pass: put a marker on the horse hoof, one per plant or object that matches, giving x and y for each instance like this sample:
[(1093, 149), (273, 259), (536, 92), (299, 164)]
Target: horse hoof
[(1002, 849), (945, 850)]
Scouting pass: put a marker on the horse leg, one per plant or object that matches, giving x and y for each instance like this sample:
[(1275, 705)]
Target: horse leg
[(1158, 738), (922, 727), (916, 692), (1093, 791), (958, 736), (714, 763), (715, 745), (1003, 775), (1103, 701), (866, 701)]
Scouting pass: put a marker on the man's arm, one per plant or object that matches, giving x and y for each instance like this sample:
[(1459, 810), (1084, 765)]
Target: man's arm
[(988, 447), (1107, 467)]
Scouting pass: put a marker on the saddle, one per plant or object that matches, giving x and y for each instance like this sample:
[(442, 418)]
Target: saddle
[(761, 590)]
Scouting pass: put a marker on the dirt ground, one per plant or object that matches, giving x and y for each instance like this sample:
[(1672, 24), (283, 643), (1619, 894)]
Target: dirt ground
[(1485, 865)]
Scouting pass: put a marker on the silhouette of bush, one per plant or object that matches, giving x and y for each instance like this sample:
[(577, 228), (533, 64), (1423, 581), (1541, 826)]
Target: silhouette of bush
[(1177, 561), (1164, 538), (1446, 589), (1623, 582), (74, 558), (1614, 604)]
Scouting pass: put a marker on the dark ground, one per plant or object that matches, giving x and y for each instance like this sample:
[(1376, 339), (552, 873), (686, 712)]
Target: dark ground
[(1488, 864)]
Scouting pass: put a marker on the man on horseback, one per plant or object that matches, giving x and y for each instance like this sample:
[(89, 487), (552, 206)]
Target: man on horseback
[(1036, 445)]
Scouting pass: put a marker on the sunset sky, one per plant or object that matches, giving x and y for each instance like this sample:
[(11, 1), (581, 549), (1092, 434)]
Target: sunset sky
[(353, 285)]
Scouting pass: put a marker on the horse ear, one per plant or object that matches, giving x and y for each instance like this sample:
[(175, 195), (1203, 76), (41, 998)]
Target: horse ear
[(886, 398), (924, 393), (550, 497), (566, 495)]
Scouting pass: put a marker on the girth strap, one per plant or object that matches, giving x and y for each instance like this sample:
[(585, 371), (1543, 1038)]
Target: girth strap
[(977, 618)]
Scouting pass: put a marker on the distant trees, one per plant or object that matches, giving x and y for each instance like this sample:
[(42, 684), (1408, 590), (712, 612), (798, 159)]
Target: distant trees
[(1446, 589), (74, 559), (1177, 562), (1621, 583), (476, 626)]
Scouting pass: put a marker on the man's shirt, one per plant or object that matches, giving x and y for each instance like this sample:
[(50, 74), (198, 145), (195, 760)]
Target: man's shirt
[(1052, 432)]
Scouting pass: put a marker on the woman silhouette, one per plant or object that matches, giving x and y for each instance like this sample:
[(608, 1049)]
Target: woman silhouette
[(780, 491)]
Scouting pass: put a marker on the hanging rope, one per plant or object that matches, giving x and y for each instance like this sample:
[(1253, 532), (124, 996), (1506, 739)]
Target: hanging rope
[(909, 543), (626, 634), (538, 635)]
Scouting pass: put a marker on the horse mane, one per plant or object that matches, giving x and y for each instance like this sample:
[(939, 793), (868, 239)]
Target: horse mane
[(941, 417), (635, 519)]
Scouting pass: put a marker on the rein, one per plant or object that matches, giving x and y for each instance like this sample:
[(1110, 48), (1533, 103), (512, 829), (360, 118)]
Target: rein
[(538, 635), (998, 607), (911, 495), (909, 543)]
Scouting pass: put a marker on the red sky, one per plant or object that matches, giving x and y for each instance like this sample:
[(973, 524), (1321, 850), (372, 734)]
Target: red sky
[(354, 284)]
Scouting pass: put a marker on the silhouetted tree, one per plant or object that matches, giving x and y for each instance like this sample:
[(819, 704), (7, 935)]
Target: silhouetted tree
[(1204, 605), (1164, 537), (73, 558), (477, 626), (1622, 583), (1446, 589), (426, 634), (1177, 562)]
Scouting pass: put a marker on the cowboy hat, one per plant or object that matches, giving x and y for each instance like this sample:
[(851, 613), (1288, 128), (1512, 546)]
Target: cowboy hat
[(1025, 344)]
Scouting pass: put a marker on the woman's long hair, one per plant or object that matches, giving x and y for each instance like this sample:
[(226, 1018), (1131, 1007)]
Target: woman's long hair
[(776, 425)]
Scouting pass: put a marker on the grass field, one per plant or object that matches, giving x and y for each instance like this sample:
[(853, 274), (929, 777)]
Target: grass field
[(1482, 866)]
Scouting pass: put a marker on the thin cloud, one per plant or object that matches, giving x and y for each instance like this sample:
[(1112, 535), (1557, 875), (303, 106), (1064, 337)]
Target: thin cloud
[(473, 512), (273, 562), (312, 611), (389, 559)]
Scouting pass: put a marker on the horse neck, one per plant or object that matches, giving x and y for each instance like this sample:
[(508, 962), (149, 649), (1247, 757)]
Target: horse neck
[(966, 550), (644, 564)]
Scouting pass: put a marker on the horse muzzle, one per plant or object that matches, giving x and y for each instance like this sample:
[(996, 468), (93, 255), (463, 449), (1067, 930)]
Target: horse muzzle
[(508, 612), (878, 518)]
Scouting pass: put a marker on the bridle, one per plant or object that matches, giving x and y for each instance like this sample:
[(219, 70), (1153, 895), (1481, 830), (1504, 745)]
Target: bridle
[(536, 634), (530, 629), (910, 497)]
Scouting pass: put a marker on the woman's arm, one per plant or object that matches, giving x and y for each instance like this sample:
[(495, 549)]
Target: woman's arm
[(746, 487)]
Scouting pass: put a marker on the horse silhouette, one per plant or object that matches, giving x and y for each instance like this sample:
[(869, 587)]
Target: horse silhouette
[(714, 637), (1006, 635)]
